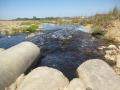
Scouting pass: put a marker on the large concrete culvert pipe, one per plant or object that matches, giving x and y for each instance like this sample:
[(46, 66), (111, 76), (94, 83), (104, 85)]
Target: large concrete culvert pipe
[(15, 61)]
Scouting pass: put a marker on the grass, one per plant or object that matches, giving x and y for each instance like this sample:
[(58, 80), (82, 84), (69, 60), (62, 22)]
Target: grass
[(25, 29), (100, 22), (102, 19), (31, 28), (15, 26)]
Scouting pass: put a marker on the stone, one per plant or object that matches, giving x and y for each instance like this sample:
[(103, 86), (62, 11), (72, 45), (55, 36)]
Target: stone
[(118, 61), (101, 47), (75, 84), (110, 56), (110, 59), (118, 47), (112, 47), (44, 78), (116, 69), (98, 75)]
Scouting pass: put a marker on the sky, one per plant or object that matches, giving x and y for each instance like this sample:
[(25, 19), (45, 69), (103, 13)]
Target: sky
[(11, 9)]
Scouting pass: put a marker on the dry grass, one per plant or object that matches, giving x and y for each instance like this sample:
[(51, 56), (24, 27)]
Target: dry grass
[(8, 27), (113, 31)]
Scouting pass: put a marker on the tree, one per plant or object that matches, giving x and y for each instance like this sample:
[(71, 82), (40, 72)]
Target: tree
[(34, 18)]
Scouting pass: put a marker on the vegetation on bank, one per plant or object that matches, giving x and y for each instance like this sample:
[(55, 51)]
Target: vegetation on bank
[(101, 23), (98, 23), (14, 26), (25, 29), (99, 19), (102, 20)]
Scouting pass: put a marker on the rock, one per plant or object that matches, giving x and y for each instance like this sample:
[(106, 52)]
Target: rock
[(118, 47), (118, 61), (44, 78), (101, 47), (98, 75), (110, 59), (112, 47), (1, 49), (110, 56), (75, 84), (111, 53), (66, 49), (117, 70)]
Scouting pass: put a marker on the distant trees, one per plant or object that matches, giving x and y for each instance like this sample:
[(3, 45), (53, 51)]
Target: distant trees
[(34, 18)]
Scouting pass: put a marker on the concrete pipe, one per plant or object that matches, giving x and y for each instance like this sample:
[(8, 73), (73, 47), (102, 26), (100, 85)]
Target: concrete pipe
[(15, 61)]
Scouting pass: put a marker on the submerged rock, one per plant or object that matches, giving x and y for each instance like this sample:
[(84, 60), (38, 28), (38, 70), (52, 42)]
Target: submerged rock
[(66, 49)]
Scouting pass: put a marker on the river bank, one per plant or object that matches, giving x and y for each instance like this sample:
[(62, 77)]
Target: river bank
[(13, 27)]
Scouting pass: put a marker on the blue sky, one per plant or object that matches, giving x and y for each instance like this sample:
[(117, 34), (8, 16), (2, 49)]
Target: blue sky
[(10, 9)]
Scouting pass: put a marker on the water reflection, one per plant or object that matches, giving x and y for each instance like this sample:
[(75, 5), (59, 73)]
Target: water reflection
[(7, 42)]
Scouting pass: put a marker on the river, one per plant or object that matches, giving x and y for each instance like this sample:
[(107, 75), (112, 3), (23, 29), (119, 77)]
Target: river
[(8, 41), (63, 47)]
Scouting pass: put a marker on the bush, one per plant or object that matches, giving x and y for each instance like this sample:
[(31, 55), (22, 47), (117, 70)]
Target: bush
[(28, 29), (98, 30), (32, 28)]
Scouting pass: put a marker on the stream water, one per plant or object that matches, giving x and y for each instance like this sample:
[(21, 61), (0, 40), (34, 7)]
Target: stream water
[(63, 47), (8, 41)]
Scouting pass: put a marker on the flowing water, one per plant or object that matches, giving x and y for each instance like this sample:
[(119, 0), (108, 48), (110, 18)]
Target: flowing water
[(63, 47), (8, 41)]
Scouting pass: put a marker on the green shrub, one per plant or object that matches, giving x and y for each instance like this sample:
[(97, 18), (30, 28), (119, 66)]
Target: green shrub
[(28, 29), (32, 28)]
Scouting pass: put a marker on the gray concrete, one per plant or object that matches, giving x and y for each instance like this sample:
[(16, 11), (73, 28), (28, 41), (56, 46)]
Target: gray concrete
[(15, 61), (76, 84), (44, 78), (98, 75)]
